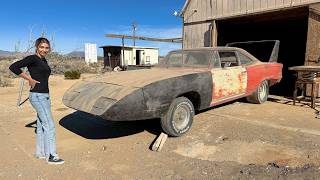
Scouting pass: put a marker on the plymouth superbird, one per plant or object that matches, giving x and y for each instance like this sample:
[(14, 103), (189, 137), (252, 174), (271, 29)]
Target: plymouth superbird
[(187, 81)]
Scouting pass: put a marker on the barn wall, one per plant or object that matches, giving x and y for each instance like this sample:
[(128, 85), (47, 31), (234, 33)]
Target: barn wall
[(313, 39), (197, 35), (201, 10)]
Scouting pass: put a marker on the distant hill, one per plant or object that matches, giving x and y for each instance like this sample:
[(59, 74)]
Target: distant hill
[(6, 53), (77, 54)]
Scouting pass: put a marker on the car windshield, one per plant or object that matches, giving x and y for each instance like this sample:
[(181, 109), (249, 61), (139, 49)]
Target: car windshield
[(188, 59)]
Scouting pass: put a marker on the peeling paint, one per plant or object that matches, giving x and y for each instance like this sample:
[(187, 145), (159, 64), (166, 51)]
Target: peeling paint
[(228, 82)]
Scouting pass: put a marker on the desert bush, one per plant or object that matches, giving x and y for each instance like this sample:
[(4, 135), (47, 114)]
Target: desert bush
[(5, 74), (5, 82), (72, 75), (60, 64)]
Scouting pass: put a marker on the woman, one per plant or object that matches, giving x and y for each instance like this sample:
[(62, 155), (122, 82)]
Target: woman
[(40, 100)]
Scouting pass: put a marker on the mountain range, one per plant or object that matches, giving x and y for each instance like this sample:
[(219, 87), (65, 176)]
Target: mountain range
[(76, 54), (6, 53)]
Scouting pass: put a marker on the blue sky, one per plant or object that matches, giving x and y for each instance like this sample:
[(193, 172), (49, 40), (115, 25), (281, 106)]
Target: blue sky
[(73, 23)]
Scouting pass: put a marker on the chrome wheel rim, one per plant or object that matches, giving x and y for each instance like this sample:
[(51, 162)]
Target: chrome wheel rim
[(181, 117), (262, 91)]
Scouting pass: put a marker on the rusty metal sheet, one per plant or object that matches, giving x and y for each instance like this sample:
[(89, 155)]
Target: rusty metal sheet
[(228, 82)]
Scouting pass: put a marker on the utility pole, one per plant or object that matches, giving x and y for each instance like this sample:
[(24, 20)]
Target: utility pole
[(134, 28)]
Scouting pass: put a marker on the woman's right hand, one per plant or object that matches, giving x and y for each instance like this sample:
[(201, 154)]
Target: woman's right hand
[(32, 83)]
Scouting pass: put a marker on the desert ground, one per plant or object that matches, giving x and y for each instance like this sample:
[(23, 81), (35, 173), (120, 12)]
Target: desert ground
[(239, 140)]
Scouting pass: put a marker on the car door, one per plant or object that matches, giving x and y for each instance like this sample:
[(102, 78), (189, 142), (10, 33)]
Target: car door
[(230, 79)]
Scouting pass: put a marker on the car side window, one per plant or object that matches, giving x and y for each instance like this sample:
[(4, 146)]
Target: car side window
[(175, 59), (244, 59), (215, 63), (228, 59), (197, 58)]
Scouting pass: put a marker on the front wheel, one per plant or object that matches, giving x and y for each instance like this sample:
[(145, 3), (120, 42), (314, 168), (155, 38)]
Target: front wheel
[(179, 117), (261, 94)]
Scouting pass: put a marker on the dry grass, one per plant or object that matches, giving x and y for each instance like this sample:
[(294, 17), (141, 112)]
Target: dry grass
[(58, 63)]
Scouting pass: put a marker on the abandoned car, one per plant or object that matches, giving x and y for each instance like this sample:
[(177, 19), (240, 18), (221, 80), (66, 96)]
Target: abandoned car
[(188, 80)]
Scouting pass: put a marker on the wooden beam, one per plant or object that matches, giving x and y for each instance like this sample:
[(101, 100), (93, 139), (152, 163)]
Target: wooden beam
[(171, 40)]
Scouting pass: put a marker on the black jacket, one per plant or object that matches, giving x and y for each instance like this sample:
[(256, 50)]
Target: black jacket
[(39, 70)]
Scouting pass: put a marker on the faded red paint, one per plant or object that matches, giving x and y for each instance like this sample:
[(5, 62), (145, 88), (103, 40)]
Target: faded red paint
[(247, 82), (262, 71)]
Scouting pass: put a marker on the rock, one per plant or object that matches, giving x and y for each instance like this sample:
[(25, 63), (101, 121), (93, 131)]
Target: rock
[(221, 139)]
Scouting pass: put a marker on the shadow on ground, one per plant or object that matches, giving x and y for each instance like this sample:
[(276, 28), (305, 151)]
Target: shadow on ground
[(94, 127)]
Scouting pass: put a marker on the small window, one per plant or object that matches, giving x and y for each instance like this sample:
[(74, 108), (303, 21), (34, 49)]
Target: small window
[(244, 59), (147, 59), (228, 59)]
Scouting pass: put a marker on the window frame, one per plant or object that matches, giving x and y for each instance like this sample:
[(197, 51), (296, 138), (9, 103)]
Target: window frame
[(236, 55)]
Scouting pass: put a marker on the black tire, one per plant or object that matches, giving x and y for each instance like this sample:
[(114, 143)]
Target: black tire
[(179, 117), (261, 94)]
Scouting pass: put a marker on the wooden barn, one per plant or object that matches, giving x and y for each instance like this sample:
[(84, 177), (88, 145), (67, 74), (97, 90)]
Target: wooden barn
[(296, 23)]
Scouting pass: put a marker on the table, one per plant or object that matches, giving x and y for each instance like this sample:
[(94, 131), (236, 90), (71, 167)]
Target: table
[(306, 75)]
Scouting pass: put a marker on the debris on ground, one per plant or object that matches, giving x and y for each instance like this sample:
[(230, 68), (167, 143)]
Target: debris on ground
[(158, 144), (221, 139)]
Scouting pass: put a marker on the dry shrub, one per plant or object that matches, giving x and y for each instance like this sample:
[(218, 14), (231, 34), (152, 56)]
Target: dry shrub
[(72, 75), (5, 74), (59, 65), (5, 82)]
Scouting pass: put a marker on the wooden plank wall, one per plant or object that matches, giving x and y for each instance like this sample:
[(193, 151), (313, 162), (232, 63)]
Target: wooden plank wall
[(313, 38), (201, 10), (197, 35)]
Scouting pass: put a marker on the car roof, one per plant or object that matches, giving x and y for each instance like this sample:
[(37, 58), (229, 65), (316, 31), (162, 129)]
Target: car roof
[(219, 48), (210, 48)]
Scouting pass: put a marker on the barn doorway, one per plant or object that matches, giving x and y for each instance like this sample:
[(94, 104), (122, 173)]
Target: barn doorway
[(288, 26)]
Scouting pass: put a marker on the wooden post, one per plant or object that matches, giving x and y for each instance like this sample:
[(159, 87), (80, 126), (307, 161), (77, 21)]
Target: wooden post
[(122, 52), (214, 34)]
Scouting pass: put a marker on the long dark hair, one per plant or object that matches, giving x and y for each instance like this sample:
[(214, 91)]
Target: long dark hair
[(41, 40)]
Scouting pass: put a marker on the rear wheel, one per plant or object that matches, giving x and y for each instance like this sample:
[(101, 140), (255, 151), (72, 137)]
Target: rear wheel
[(179, 117), (261, 94)]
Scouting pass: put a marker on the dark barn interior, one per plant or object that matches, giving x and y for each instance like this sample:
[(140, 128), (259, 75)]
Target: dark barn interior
[(288, 26)]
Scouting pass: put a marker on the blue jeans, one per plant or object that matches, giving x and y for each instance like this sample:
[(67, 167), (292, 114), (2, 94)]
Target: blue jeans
[(45, 139)]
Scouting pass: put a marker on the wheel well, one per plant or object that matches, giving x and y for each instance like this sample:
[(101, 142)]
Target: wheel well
[(194, 97)]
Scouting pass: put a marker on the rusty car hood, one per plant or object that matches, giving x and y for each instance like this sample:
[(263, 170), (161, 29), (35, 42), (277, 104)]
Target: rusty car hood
[(112, 87), (141, 78)]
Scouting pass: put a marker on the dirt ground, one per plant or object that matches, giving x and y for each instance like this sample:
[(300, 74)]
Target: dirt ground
[(274, 140)]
